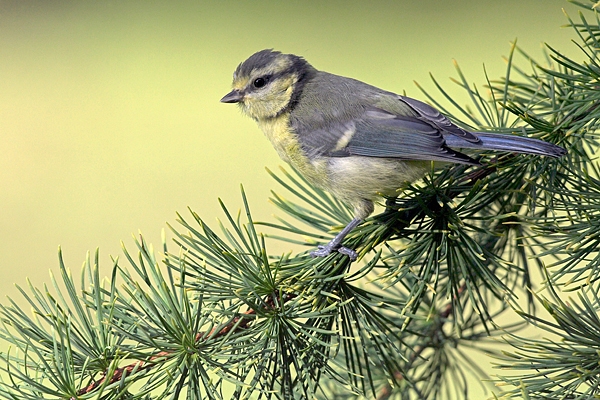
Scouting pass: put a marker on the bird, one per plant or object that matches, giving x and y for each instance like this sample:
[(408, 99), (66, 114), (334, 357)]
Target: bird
[(352, 139)]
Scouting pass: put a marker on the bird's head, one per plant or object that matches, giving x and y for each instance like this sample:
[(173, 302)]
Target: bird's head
[(267, 83)]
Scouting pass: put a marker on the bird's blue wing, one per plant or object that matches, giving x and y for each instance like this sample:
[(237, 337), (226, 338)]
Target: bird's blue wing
[(430, 115), (378, 133)]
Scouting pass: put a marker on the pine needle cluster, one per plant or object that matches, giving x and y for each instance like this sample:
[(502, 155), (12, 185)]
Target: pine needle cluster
[(468, 261)]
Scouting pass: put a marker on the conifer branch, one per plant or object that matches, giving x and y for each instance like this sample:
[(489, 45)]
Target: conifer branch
[(439, 268), (236, 324)]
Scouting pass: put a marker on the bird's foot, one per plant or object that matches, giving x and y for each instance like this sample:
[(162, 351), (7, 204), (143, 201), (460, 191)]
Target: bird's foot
[(352, 255), (325, 250)]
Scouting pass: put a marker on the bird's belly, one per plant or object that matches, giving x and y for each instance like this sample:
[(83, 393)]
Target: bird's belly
[(352, 178)]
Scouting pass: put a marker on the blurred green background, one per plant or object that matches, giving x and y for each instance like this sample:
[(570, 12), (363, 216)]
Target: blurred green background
[(110, 118)]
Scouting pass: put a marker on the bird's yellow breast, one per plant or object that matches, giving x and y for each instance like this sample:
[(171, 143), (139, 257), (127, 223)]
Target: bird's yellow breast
[(287, 145)]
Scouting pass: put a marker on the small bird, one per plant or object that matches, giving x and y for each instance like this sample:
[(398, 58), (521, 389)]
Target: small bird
[(354, 140)]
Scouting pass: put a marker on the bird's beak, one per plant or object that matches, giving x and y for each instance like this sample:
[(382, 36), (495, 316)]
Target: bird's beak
[(235, 96)]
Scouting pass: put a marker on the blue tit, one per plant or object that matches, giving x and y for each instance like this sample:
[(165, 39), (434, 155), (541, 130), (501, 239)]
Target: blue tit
[(352, 139)]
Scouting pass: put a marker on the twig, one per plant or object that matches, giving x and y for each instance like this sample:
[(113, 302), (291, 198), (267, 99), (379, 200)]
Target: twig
[(126, 370)]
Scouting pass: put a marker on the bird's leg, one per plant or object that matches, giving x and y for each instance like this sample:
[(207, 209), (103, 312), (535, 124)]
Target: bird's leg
[(336, 243)]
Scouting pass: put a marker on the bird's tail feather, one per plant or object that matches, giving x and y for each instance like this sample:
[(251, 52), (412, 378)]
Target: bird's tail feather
[(512, 143)]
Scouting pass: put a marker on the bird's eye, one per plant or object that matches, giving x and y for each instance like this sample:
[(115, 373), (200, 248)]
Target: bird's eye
[(259, 82)]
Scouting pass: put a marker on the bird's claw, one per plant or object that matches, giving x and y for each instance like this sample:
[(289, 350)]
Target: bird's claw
[(352, 255), (325, 250)]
